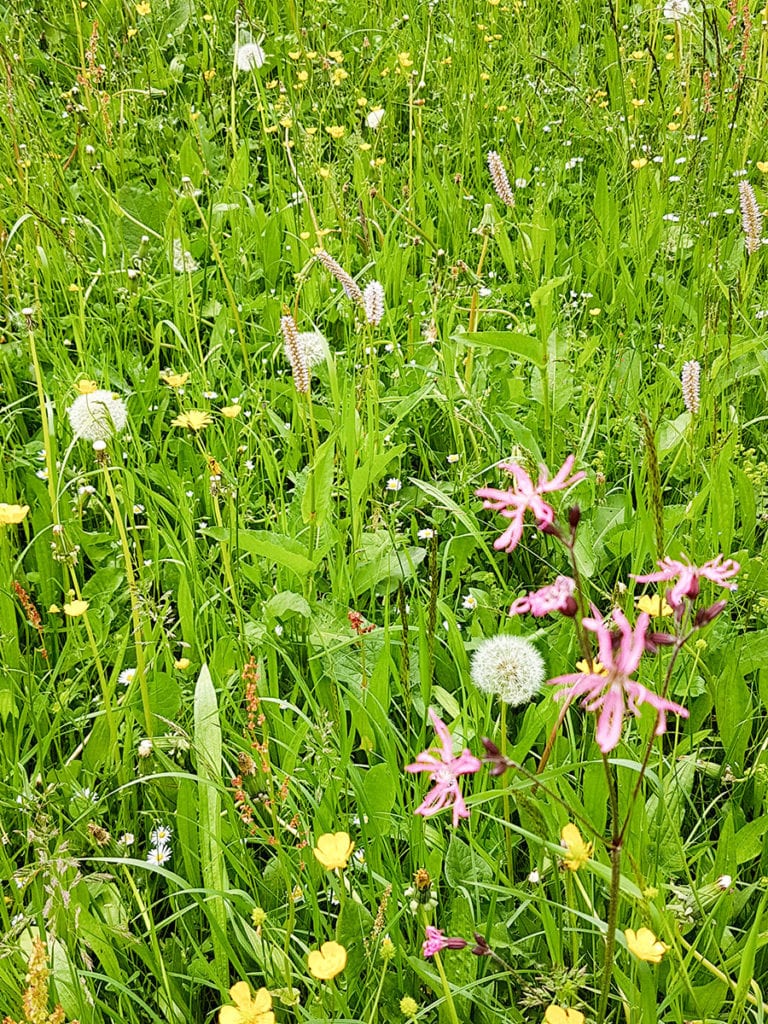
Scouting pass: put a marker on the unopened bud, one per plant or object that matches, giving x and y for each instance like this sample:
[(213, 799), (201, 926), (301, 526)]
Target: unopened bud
[(574, 515), (569, 607), (705, 615)]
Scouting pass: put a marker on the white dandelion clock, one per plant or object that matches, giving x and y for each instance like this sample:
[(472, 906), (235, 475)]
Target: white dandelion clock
[(249, 57), (183, 260), (314, 347), (97, 416), (509, 667), (677, 10)]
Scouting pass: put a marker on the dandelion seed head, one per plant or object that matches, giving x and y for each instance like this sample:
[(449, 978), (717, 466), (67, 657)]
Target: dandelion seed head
[(97, 416), (249, 57), (510, 667)]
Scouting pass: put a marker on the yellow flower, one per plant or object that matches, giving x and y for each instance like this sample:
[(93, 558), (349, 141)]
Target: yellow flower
[(75, 608), (560, 1015), (325, 963), (209, 74), (404, 59), (673, 126), (333, 850), (637, 164), (762, 166), (637, 55), (595, 311), (10, 515), (182, 663), (338, 75), (86, 387), (143, 9), (174, 380), (230, 411), (655, 606), (248, 1009), (578, 852), (258, 917), (638, 102), (335, 130), (195, 419), (408, 1006), (593, 669), (644, 944), (54, 610)]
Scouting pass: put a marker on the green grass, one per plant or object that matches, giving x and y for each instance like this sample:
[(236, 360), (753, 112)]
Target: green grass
[(560, 325)]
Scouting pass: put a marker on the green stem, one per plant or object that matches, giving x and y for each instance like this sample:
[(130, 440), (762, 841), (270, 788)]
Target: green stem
[(505, 797), (613, 900), (446, 990)]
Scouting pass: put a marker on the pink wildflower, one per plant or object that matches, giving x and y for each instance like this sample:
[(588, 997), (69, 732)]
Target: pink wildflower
[(512, 504), (613, 693), (557, 597), (445, 770), (436, 942), (688, 576)]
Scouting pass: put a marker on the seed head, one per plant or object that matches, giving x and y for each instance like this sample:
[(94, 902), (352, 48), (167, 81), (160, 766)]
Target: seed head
[(295, 354), (97, 416), (347, 282), (510, 667), (500, 179), (751, 217)]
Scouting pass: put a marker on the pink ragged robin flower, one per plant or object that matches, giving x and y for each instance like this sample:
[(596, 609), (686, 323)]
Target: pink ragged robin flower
[(612, 693), (557, 597), (445, 770), (436, 942), (688, 576), (513, 502)]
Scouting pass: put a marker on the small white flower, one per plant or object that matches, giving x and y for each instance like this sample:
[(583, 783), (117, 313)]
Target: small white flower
[(452, 458), (145, 748), (469, 602), (97, 416), (161, 835), (724, 882), (426, 534), (126, 676), (393, 484), (249, 57), (374, 117), (520, 183), (278, 630), (159, 855), (127, 839), (534, 878)]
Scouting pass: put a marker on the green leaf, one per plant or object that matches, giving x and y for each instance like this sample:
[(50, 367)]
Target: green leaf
[(524, 346), (463, 867), (318, 493), (272, 547), (287, 603)]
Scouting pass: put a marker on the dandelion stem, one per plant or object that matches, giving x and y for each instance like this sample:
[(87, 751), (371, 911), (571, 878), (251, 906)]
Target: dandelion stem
[(447, 990), (505, 796)]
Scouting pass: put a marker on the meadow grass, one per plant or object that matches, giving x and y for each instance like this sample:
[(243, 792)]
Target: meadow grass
[(221, 634)]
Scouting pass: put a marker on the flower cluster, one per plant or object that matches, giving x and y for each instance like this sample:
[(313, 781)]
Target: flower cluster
[(160, 850)]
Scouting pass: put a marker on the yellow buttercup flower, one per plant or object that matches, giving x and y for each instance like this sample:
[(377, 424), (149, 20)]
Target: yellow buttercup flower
[(644, 944), (75, 608), (762, 166), (86, 386), (655, 606), (641, 162), (555, 1014), (248, 1009), (596, 668), (328, 961), (335, 130), (195, 419), (333, 850), (174, 380), (404, 59), (10, 515), (143, 9), (578, 852), (231, 411), (182, 663)]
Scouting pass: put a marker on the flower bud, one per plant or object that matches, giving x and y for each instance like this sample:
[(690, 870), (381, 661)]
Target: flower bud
[(706, 615), (574, 515)]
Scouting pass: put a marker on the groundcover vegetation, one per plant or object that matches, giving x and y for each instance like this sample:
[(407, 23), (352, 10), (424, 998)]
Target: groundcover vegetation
[(382, 512)]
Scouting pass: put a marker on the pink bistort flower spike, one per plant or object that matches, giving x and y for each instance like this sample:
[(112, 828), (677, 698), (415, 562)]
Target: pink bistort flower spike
[(718, 571), (557, 597), (613, 693), (512, 503), (436, 942), (445, 769)]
